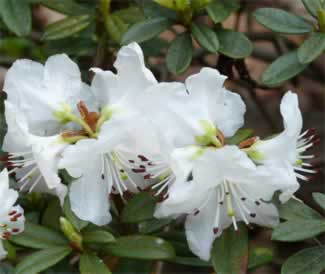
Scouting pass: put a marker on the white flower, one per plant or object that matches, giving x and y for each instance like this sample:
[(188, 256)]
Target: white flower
[(107, 163), (190, 117), (39, 91), (34, 159), (225, 187), (11, 216), (290, 145)]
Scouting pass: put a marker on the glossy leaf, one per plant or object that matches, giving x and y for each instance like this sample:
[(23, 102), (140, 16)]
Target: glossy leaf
[(145, 30), (295, 210), (142, 247), (69, 7), (319, 199), (132, 266), (67, 27), (206, 37), (312, 48), (179, 55), (42, 260), (282, 69), (230, 251), (298, 230), (115, 27), (219, 10), (311, 261), (16, 14), (140, 208), (98, 237), (234, 44), (312, 6), (190, 261), (150, 226), (282, 21), (52, 214), (36, 236), (92, 264), (259, 256)]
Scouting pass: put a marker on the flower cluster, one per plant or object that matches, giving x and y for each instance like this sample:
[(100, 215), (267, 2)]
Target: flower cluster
[(127, 132)]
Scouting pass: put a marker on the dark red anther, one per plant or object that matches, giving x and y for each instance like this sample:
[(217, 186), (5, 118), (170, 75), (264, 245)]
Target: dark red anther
[(215, 230), (12, 213), (257, 203), (15, 230), (131, 161), (196, 212), (139, 188), (147, 177), (138, 170), (151, 164), (253, 215), (143, 158)]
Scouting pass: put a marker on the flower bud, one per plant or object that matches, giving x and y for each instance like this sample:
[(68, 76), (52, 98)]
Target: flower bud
[(72, 235)]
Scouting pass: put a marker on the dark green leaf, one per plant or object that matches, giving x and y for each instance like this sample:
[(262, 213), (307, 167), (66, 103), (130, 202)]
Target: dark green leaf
[(190, 261), (130, 15), (150, 226), (282, 69), (241, 135), (115, 27), (197, 5), (293, 210), (234, 44), (312, 6), (142, 247), (259, 256), (131, 266), (230, 251), (179, 55), (69, 7), (140, 208), (17, 16), (281, 21), (74, 220), (67, 27), (52, 214), (307, 261), (219, 10), (152, 10), (90, 264), (319, 199), (41, 260), (98, 237), (36, 236), (312, 48), (145, 30), (298, 230), (153, 47), (206, 37)]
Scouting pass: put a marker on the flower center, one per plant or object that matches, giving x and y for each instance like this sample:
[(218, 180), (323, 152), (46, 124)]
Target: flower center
[(211, 137)]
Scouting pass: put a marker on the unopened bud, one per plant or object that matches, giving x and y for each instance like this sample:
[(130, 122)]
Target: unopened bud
[(72, 235)]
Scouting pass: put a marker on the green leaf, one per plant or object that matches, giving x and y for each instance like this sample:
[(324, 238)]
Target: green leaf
[(67, 27), (230, 251), (36, 236), (197, 5), (68, 7), (206, 37), (42, 260), (281, 21), (145, 30), (142, 247), (6, 268), (115, 27), (190, 261), (240, 135), (319, 199), (312, 48), (150, 226), (90, 264), (219, 10), (298, 230), (98, 237), (16, 14), (295, 210), (140, 208), (307, 261), (234, 44), (73, 219), (259, 256), (312, 6), (179, 55), (282, 69), (130, 15), (52, 214), (131, 266)]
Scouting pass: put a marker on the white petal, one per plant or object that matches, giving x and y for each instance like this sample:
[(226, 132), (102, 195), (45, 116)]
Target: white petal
[(226, 109), (8, 197), (89, 196), (132, 78), (3, 252), (199, 228)]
